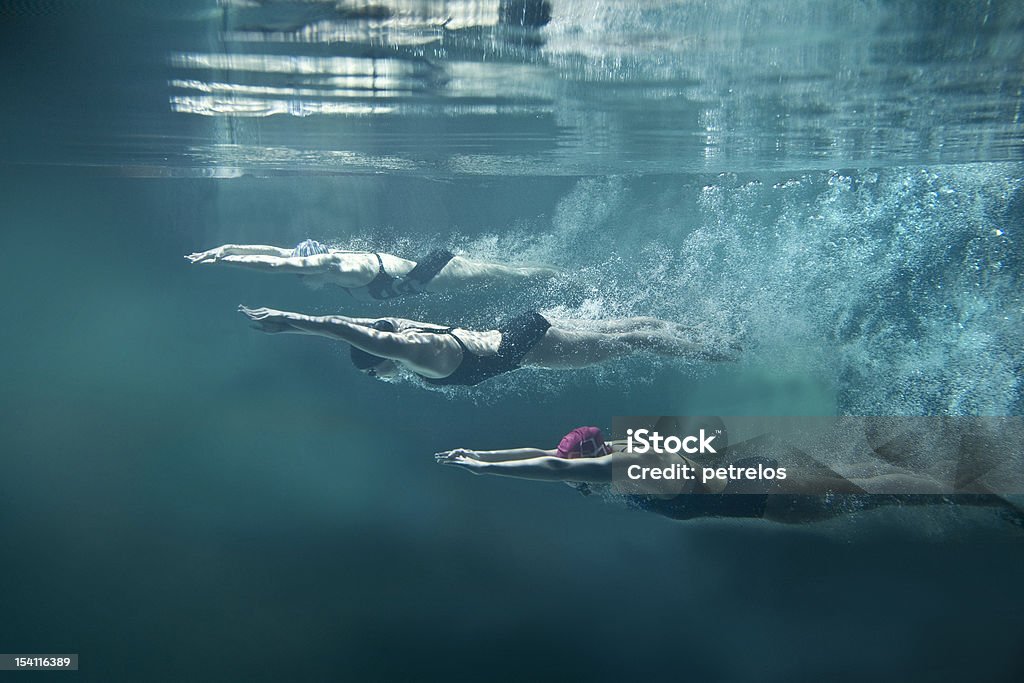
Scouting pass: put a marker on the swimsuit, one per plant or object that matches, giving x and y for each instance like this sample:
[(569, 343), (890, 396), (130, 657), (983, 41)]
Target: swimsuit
[(518, 336), (382, 284), (385, 286), (425, 270)]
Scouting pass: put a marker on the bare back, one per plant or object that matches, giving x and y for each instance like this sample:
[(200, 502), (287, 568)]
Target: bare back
[(356, 269)]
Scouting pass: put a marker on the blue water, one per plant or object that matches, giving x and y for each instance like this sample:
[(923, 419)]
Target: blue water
[(182, 498)]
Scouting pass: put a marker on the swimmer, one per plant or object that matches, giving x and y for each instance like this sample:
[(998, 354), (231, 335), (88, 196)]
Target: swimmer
[(444, 355), (584, 460), (371, 274)]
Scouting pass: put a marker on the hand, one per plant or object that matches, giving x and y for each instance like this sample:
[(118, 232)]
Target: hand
[(267, 319), (456, 453), (465, 462), (208, 256)]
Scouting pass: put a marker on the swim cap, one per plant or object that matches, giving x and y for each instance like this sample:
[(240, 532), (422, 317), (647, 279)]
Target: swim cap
[(363, 360), (583, 442), (309, 248)]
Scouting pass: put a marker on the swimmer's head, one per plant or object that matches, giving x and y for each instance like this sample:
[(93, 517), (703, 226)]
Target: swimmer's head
[(385, 369), (309, 248), (583, 442), (371, 364)]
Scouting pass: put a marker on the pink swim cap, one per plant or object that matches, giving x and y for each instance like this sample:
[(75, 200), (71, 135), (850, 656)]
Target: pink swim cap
[(583, 442)]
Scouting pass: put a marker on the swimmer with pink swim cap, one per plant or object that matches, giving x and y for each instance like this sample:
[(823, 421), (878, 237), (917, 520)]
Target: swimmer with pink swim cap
[(583, 459), (582, 443)]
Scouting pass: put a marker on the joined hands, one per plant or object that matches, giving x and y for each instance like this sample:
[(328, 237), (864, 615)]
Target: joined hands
[(461, 457), (267, 319)]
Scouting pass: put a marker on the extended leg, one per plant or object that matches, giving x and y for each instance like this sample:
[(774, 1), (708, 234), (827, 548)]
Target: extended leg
[(637, 323), (562, 348), (462, 272)]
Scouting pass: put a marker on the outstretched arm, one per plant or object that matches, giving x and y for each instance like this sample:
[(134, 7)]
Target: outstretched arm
[(217, 253), (351, 330), (496, 456), (546, 468), (281, 264)]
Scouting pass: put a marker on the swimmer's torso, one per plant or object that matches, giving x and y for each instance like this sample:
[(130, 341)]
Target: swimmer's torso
[(443, 348), (482, 343), (355, 271)]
